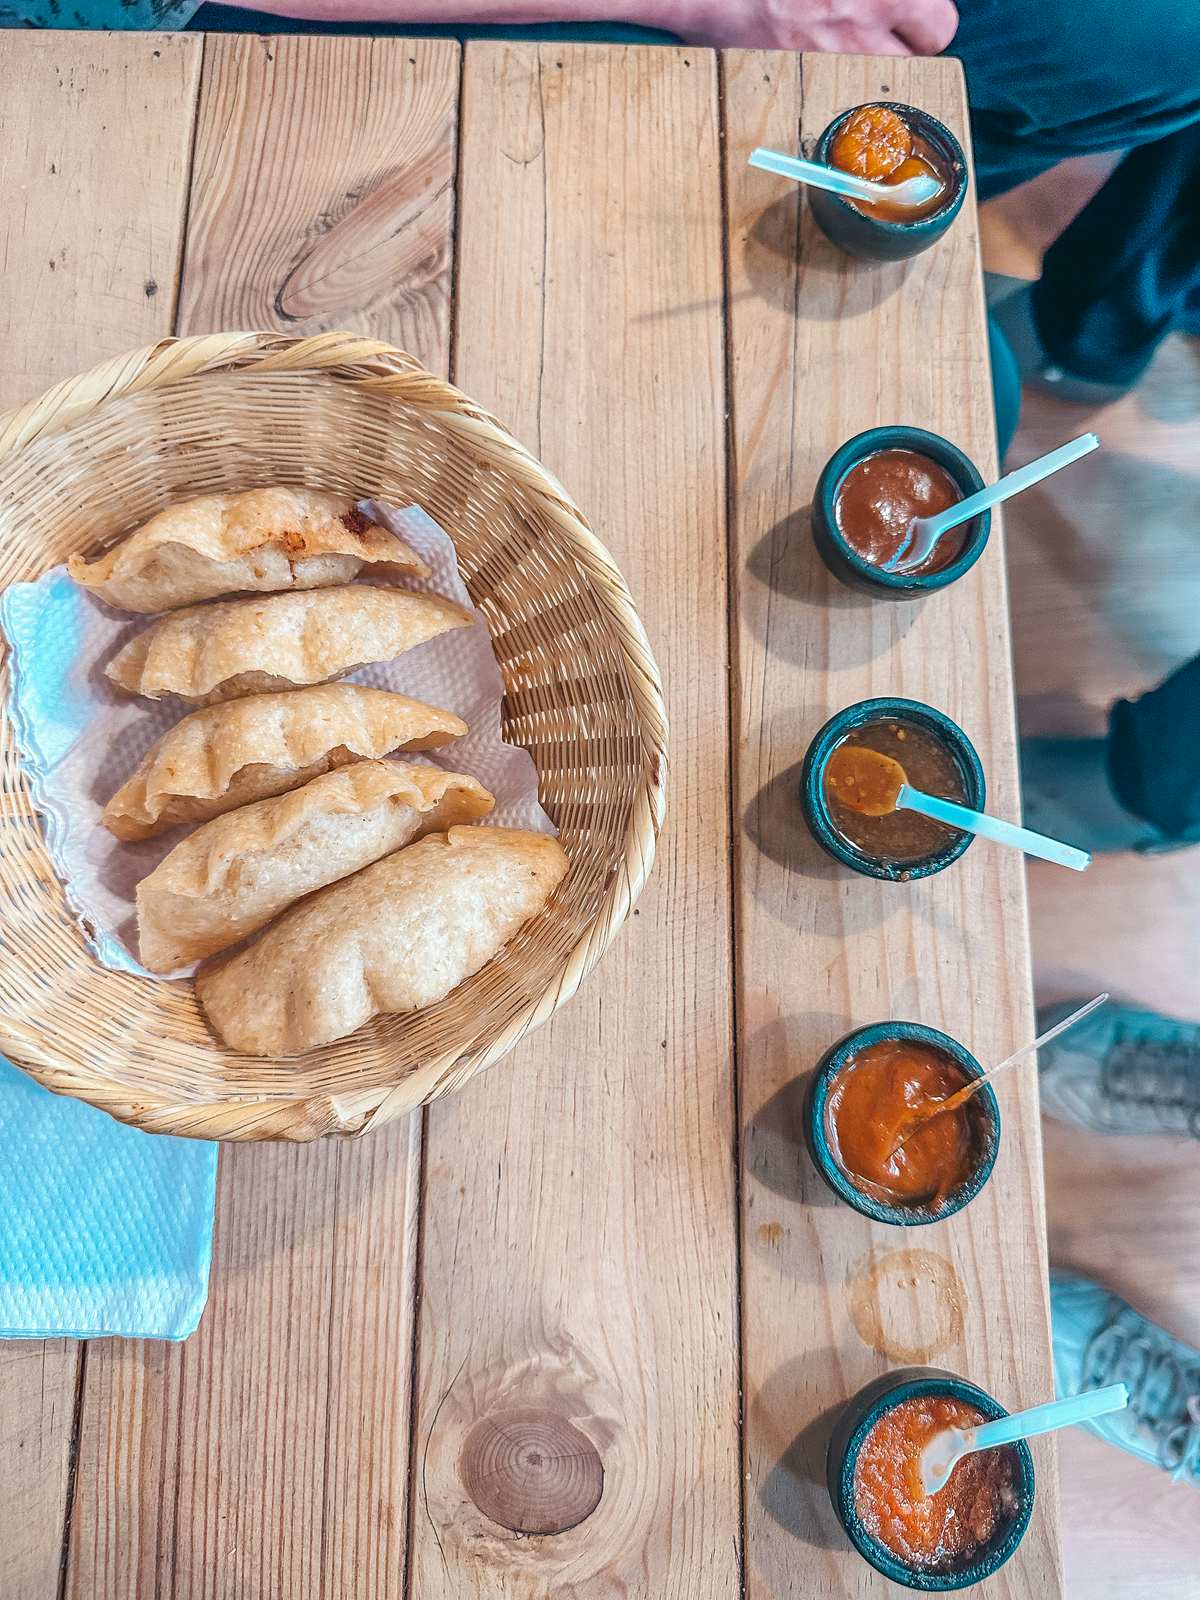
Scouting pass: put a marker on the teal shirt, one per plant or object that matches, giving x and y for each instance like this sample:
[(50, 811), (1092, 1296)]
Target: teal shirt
[(123, 14), (149, 15)]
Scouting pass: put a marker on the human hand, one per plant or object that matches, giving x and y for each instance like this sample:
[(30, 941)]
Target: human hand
[(842, 27)]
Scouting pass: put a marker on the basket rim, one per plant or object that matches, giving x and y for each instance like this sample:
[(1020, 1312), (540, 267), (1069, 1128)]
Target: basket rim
[(355, 358)]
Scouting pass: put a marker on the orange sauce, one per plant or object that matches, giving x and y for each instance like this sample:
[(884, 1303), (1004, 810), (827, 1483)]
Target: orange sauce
[(876, 143), (866, 780), (870, 1108), (872, 143), (937, 1531)]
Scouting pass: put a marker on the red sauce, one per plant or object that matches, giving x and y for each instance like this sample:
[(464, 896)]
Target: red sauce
[(876, 143), (931, 1532), (870, 1108), (355, 522), (878, 498)]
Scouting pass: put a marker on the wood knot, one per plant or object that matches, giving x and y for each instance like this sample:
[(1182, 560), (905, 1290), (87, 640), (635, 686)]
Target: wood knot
[(532, 1471)]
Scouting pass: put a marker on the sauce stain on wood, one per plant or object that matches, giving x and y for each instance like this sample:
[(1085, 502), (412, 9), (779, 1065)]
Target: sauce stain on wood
[(917, 1285)]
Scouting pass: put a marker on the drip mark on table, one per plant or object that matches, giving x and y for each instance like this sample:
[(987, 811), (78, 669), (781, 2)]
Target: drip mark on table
[(926, 1287)]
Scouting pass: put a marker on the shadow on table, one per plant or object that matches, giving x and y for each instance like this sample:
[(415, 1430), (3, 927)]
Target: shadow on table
[(774, 1150), (790, 262), (774, 824), (282, 1219), (854, 628), (793, 1493)]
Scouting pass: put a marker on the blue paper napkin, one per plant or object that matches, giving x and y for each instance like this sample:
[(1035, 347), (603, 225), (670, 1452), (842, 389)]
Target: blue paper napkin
[(103, 1229)]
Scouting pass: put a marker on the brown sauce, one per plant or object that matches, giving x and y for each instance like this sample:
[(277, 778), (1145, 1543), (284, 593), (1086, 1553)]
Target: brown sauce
[(902, 837), (880, 496), (944, 1531), (870, 1109)]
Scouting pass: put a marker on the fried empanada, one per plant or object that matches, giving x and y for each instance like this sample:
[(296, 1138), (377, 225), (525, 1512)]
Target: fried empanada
[(253, 542), (265, 744), (236, 647), (395, 937), (232, 875)]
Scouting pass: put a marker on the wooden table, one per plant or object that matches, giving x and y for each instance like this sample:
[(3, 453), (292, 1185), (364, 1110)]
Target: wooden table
[(608, 1267)]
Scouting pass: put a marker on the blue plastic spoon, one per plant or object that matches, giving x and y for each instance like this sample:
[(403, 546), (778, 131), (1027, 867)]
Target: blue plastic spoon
[(945, 1450), (978, 822), (912, 192)]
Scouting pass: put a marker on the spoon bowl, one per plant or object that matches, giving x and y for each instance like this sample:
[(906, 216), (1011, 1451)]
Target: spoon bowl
[(867, 781)]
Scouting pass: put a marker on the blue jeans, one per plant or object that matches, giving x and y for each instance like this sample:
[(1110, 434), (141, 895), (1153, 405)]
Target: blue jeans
[(1154, 753), (1050, 79)]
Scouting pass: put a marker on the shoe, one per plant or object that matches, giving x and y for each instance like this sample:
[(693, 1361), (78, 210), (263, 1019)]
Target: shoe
[(1065, 793), (1013, 312), (1122, 1070), (1099, 1339)]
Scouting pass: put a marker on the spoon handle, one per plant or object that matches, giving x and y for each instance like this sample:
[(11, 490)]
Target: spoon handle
[(1012, 483), (831, 178), (917, 1119), (925, 532), (1033, 844), (961, 1096), (1055, 1414)]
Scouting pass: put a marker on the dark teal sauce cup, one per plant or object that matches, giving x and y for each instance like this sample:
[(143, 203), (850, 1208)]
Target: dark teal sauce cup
[(852, 1427), (871, 238), (845, 563), (982, 1108), (812, 786)]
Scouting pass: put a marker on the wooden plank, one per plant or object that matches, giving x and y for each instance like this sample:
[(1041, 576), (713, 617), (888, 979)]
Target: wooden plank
[(822, 347), (578, 1311), (269, 1454), (94, 138), (323, 192), (95, 134)]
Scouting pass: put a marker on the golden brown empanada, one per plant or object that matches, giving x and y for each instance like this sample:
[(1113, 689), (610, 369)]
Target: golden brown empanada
[(278, 641), (233, 874), (256, 541), (395, 937), (265, 744)]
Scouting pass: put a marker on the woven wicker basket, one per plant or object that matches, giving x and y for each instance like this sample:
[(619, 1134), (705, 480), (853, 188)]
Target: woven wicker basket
[(96, 456)]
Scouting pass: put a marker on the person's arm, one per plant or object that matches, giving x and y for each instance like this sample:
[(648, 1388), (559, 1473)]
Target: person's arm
[(866, 27), (841, 27)]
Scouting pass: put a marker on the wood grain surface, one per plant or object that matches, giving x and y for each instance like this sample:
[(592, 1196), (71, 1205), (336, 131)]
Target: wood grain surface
[(94, 147), (578, 1265), (269, 1454), (323, 189), (822, 347), (547, 1275)]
